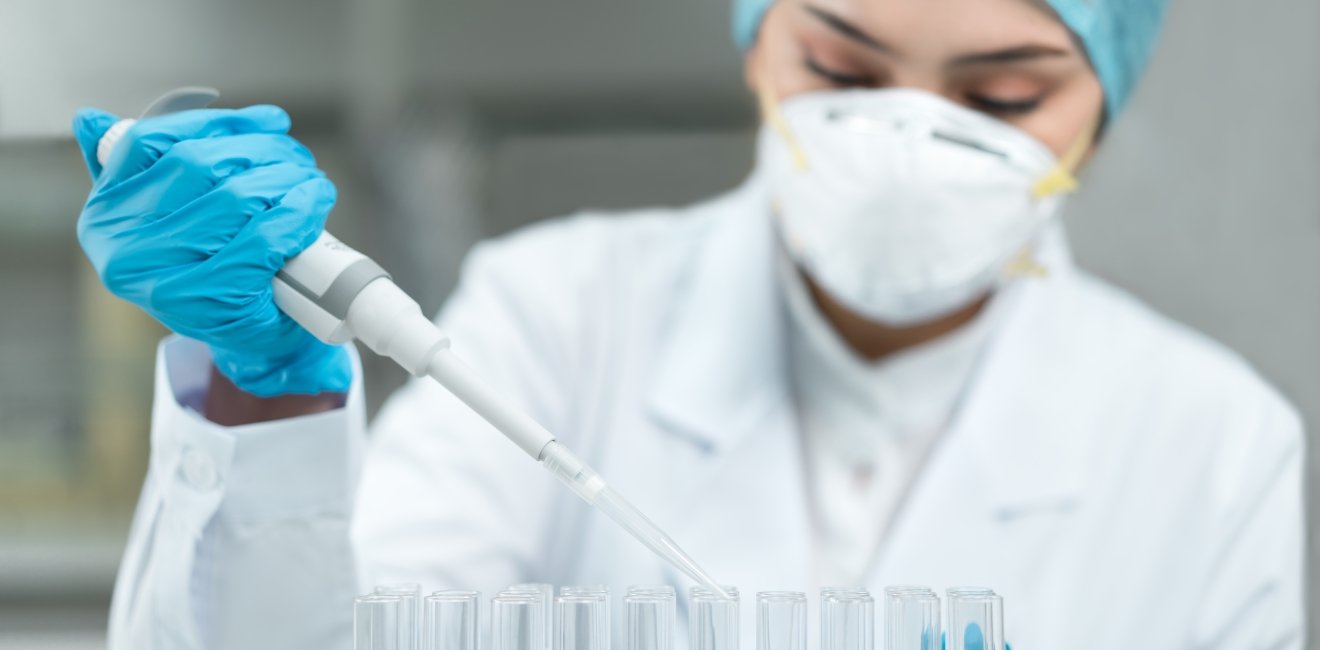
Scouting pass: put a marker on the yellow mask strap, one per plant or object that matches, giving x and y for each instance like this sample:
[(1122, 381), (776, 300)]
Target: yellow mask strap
[(770, 113), (1061, 180), (1025, 264), (1057, 181)]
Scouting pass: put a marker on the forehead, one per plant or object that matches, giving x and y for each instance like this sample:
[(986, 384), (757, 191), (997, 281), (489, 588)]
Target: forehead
[(949, 27)]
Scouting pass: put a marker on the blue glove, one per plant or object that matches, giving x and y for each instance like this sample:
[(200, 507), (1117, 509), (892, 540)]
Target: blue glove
[(190, 220)]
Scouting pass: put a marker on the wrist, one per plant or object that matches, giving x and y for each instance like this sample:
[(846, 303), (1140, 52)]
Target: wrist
[(228, 405), (312, 369)]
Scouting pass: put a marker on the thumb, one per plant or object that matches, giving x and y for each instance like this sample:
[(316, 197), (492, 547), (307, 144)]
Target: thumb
[(89, 124)]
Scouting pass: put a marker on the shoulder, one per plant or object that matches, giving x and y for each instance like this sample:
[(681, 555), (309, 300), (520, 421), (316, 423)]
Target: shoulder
[(590, 254)]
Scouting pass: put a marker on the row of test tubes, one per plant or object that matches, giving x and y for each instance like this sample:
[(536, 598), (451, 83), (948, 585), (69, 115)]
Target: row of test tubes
[(532, 617)]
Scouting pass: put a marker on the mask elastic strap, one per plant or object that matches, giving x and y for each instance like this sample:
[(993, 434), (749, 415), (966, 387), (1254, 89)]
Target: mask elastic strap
[(772, 116), (1056, 181), (1061, 179)]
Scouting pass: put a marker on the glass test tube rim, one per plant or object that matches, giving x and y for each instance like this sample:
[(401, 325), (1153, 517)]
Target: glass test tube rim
[(455, 595), (907, 589), (843, 589), (651, 589), (580, 599), (864, 597), (968, 590), (648, 598), (524, 590), (518, 597), (545, 592), (781, 596), (374, 597), (567, 590), (699, 591)]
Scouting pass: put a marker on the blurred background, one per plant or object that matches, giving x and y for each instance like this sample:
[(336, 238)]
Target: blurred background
[(445, 122)]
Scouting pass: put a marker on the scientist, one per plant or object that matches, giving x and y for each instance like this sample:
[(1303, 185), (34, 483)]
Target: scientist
[(873, 363)]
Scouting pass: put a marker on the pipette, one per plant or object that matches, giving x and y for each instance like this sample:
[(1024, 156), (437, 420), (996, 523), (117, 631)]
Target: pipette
[(339, 294)]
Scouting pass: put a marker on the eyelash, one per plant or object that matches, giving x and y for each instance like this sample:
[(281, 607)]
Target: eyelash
[(981, 102), (998, 107), (834, 76)]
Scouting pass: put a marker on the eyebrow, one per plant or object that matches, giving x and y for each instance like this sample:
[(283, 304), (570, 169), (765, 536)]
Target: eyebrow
[(1011, 55), (847, 29)]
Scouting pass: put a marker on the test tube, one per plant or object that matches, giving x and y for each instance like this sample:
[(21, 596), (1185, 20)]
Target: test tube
[(545, 591), (713, 621), (602, 591), (517, 622), (649, 620), (847, 620), (912, 619), (825, 615), (581, 623), (451, 620), (411, 614), (781, 620), (976, 620), (376, 622)]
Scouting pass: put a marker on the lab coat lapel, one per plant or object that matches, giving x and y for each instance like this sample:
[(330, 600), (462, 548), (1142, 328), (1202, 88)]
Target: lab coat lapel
[(721, 397), (1012, 467)]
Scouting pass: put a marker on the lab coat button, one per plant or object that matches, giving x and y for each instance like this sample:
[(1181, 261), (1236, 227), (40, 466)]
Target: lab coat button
[(199, 470)]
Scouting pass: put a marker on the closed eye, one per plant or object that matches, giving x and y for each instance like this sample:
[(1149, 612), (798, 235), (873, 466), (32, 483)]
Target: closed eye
[(836, 76), (1004, 107)]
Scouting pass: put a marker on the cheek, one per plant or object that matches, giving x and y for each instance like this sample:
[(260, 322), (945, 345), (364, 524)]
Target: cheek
[(1068, 111)]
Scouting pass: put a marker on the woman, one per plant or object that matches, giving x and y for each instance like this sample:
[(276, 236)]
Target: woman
[(874, 363)]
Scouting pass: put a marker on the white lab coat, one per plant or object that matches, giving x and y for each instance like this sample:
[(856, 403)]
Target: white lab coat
[(1121, 480)]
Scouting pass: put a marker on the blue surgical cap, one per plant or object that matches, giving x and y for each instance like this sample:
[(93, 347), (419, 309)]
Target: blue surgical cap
[(1118, 36)]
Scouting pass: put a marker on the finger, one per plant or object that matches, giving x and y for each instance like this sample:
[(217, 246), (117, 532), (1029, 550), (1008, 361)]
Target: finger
[(148, 140), (236, 267), (142, 251), (193, 168), (216, 218), (89, 124), (297, 219), (267, 242), (287, 228)]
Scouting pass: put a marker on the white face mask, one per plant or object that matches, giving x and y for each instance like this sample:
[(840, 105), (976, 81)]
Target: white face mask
[(902, 205)]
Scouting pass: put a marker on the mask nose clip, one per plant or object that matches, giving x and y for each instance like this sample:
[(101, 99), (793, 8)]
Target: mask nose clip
[(969, 143), (908, 124)]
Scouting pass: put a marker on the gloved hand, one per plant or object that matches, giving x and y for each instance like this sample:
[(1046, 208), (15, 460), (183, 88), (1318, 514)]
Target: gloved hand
[(190, 220)]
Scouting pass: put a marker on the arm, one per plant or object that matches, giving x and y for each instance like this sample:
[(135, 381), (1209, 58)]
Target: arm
[(240, 539)]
